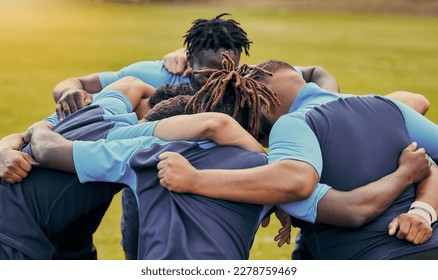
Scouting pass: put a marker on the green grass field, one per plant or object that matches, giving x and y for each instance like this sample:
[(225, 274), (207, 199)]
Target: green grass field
[(43, 43)]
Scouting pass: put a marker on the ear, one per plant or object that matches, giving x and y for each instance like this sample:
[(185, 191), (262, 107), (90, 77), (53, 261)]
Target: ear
[(264, 109)]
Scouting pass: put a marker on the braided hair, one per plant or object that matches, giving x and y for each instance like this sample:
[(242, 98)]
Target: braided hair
[(214, 34), (229, 90)]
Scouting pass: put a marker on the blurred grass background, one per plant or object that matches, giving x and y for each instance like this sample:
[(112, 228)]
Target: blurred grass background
[(370, 46)]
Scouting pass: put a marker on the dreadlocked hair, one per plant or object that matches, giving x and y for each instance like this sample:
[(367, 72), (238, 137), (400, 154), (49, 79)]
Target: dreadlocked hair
[(168, 91), (229, 91), (216, 33)]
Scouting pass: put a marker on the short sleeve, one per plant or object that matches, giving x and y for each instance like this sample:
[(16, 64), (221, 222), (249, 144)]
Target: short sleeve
[(291, 138)]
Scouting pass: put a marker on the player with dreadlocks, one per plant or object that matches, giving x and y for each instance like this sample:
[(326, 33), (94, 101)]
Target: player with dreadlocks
[(178, 226), (228, 90), (312, 128)]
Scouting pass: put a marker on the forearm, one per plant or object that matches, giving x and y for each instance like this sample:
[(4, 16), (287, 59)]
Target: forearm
[(269, 184), (12, 141), (216, 127), (89, 83), (361, 205), (414, 100), (321, 77), (51, 150), (427, 189)]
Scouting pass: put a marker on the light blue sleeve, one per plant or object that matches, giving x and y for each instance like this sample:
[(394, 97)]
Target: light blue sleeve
[(108, 161), (307, 209), (291, 138), (420, 129), (123, 131), (151, 72), (113, 101), (52, 119), (104, 161)]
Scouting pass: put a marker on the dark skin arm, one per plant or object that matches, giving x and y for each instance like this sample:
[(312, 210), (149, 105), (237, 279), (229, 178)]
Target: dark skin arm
[(320, 76), (290, 181), (412, 227), (14, 165), (369, 201), (74, 93)]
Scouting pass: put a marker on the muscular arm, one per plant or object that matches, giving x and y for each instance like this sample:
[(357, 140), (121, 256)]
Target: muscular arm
[(137, 91), (219, 128), (50, 149), (321, 77), (74, 93), (367, 202), (283, 181), (414, 100)]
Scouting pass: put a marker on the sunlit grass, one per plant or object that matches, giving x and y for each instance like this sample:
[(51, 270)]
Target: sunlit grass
[(45, 42)]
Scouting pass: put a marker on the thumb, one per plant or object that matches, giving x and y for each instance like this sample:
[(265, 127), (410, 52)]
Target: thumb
[(266, 221), (393, 227), (412, 146)]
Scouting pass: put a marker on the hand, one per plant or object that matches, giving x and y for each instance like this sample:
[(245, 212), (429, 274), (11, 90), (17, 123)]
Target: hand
[(71, 101), (411, 227), (283, 235), (38, 126), (176, 62), (14, 165), (175, 172), (414, 163)]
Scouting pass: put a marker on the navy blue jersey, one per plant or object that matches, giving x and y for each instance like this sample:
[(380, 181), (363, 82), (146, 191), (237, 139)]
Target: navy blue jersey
[(359, 148), (49, 207), (187, 226), (172, 225)]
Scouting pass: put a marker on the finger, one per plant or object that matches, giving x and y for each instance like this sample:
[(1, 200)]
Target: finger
[(393, 227), (88, 99), (161, 164), (187, 72), (284, 229), (66, 109), (403, 230), (266, 221), (164, 155), (161, 174), (59, 111), (30, 160), (80, 102), (413, 146), (421, 150), (180, 66), (12, 178), (163, 183)]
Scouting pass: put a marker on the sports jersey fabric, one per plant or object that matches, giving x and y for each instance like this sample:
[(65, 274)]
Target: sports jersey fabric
[(172, 225), (335, 134)]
